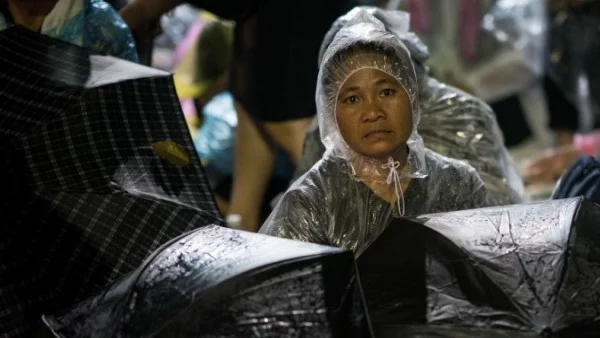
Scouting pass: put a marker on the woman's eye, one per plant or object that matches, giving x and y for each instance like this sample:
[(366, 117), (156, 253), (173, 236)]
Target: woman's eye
[(351, 99), (387, 92)]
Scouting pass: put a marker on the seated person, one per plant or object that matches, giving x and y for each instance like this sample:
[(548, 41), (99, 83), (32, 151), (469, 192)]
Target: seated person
[(375, 166), (91, 24), (453, 123), (550, 165)]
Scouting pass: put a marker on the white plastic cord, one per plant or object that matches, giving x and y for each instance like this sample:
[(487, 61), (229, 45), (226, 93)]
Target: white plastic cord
[(394, 178)]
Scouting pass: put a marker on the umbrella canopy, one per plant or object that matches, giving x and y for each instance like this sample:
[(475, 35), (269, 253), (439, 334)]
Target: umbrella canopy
[(531, 269), (97, 168), (219, 282)]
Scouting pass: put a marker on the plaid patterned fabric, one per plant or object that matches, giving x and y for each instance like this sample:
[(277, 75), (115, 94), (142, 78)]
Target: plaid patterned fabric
[(86, 198)]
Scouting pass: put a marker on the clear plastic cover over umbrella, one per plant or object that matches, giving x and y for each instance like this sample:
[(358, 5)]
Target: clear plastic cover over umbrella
[(219, 282), (529, 269)]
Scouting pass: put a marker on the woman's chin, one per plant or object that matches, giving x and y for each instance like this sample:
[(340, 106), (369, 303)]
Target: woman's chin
[(385, 151), (381, 155)]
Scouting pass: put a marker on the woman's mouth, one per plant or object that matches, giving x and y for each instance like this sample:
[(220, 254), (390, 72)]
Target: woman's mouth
[(378, 132)]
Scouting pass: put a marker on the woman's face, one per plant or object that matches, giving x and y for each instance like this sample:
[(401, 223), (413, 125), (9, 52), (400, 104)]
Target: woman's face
[(374, 114)]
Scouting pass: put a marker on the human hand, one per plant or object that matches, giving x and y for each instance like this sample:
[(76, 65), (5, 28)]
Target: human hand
[(564, 137), (550, 165)]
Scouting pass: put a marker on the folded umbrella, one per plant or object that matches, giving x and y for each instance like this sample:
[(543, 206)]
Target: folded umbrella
[(219, 282), (98, 170), (525, 270)]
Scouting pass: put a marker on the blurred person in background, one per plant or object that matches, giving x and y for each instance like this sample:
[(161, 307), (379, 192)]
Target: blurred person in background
[(142, 16), (549, 166), (201, 65), (496, 50), (274, 74), (92, 24), (201, 79), (574, 53), (271, 38)]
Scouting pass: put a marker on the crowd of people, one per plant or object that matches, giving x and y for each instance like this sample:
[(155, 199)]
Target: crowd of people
[(477, 77), (321, 121), (486, 77)]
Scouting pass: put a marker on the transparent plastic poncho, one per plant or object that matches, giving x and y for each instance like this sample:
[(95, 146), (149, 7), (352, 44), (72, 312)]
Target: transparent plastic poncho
[(335, 202), (452, 122), (91, 24)]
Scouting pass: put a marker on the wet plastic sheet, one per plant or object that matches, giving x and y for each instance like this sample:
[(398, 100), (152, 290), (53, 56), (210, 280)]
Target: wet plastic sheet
[(99, 28), (218, 282), (519, 271), (430, 331), (532, 268)]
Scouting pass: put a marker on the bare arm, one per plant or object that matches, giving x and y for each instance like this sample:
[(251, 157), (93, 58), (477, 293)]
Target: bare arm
[(140, 13)]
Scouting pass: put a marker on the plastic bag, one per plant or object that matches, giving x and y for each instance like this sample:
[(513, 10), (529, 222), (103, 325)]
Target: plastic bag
[(215, 140), (92, 24)]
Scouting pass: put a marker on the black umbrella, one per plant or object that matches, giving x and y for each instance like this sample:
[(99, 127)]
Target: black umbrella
[(219, 282), (531, 269), (96, 174)]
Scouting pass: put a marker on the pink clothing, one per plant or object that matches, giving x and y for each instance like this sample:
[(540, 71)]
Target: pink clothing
[(189, 108), (419, 14), (468, 16), (469, 28), (589, 144), (189, 40)]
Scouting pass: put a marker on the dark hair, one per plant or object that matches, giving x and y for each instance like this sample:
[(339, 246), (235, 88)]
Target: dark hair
[(214, 51), (333, 64)]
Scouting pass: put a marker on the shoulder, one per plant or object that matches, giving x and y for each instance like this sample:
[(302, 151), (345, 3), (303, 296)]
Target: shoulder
[(457, 184), (448, 96), (443, 168), (302, 212), (440, 161), (322, 187), (327, 171)]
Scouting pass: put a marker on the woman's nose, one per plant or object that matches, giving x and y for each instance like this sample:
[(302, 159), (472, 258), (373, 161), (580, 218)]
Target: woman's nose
[(373, 111)]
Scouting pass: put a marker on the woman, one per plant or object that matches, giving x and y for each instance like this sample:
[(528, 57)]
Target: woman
[(375, 166), (452, 122)]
